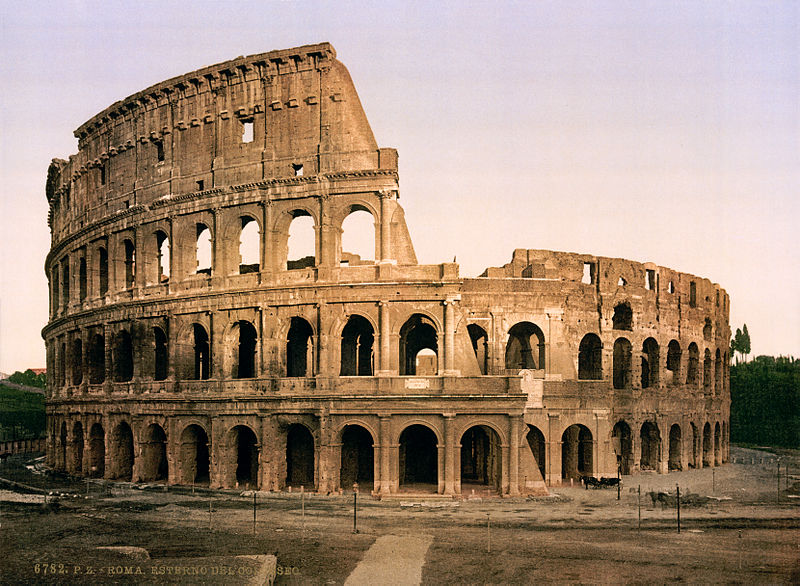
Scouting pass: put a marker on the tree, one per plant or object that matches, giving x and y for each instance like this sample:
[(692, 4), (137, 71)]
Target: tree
[(745, 347), (29, 379)]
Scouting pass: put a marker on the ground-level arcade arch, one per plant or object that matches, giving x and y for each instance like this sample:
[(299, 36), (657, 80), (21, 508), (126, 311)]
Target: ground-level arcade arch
[(243, 445), (97, 451), (358, 458), (577, 452), (76, 460), (122, 452), (675, 448), (624, 439), (300, 454), (194, 456), (418, 459), (481, 459), (708, 446), (650, 437), (154, 465)]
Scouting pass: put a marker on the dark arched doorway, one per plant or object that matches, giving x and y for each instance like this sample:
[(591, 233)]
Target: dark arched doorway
[(481, 459), (624, 449), (194, 455), (154, 454), (245, 444), (419, 461), (576, 452), (358, 460), (299, 456), (651, 446)]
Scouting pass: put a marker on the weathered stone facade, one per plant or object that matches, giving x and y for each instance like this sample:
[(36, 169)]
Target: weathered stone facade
[(174, 356)]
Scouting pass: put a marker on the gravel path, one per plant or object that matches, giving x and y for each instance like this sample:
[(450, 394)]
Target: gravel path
[(392, 559)]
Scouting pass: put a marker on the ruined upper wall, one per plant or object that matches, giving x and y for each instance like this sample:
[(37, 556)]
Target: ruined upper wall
[(273, 115)]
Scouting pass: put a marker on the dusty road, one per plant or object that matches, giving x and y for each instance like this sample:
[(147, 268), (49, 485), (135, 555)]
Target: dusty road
[(747, 532)]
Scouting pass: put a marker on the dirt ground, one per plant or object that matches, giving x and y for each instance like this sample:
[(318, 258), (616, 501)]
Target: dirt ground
[(747, 532)]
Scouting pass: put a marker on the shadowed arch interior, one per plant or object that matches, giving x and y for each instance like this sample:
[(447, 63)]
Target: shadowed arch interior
[(358, 460), (418, 459), (194, 455), (358, 337), (418, 333), (576, 452), (299, 456), (525, 348)]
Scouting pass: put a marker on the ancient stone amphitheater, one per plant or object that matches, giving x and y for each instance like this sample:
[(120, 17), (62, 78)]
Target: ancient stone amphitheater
[(186, 346)]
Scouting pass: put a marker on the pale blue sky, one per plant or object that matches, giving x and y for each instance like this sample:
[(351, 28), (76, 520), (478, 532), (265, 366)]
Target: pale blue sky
[(656, 131)]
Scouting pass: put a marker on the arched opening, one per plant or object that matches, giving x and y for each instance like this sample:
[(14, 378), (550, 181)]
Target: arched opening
[(130, 263), (202, 353), (203, 255), (651, 446), (427, 363), (301, 247), (725, 442), (717, 445), (77, 361), (707, 372), (299, 456), (358, 337), (707, 330), (299, 349), (97, 359), (154, 454), (65, 282), (246, 362), (622, 363), (82, 279), (245, 445), (123, 454), (623, 446), (480, 459), (418, 333), (480, 345), (576, 452), (102, 269), (162, 245), (695, 461), (623, 317), (62, 448), (160, 354), (358, 237), (674, 362), (590, 358), (419, 459), (718, 373), (62, 364), (249, 246), (97, 451), (708, 446), (692, 368), (123, 357), (538, 448), (76, 466), (649, 363), (195, 462), (358, 460), (675, 448), (525, 347)]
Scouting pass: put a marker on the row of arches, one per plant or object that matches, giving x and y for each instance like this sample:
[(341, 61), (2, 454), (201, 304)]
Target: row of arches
[(418, 449), (151, 257), (418, 466), (651, 366)]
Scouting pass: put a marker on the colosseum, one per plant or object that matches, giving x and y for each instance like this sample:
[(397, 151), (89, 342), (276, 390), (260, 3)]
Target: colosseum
[(186, 347)]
